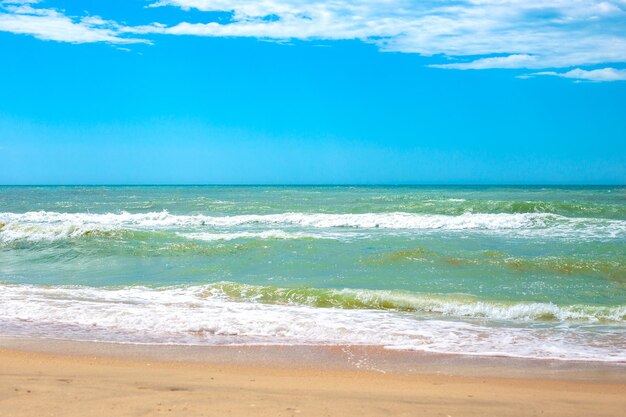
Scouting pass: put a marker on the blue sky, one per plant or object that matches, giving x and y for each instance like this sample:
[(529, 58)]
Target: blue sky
[(206, 91)]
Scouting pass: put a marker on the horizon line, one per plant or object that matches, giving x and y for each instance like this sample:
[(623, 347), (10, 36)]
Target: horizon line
[(382, 184)]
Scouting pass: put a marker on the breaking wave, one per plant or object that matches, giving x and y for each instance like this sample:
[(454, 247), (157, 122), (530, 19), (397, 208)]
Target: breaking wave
[(453, 306), (44, 225), (230, 313)]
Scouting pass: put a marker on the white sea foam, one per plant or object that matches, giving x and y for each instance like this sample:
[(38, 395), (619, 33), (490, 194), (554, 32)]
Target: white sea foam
[(451, 305), (530, 224), (39, 231), (265, 234), (201, 316), (479, 309)]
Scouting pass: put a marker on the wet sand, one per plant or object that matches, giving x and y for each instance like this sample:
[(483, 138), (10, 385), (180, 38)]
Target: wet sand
[(55, 378)]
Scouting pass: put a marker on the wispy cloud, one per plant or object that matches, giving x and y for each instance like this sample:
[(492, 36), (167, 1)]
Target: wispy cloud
[(470, 34), (23, 17), (604, 74), (459, 34)]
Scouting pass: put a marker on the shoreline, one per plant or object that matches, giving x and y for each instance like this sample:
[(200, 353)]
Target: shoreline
[(63, 378), (348, 358)]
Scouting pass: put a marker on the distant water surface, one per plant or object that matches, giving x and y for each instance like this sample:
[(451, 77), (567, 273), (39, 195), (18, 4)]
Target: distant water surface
[(537, 272)]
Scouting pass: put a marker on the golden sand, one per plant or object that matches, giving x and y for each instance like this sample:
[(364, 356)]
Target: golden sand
[(43, 384)]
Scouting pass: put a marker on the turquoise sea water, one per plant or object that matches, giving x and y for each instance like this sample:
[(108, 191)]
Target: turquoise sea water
[(534, 272)]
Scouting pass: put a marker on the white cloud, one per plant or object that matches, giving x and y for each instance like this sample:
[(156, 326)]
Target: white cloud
[(465, 34), (604, 74), (21, 17), (472, 34), (510, 61)]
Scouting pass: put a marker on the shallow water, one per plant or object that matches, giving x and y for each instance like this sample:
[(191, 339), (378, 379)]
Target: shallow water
[(534, 272)]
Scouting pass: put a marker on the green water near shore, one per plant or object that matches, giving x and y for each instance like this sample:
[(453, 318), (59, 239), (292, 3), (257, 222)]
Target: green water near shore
[(555, 254)]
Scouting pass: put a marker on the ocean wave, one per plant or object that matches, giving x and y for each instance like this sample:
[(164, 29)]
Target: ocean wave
[(209, 315), (452, 306), (37, 232), (528, 223), (265, 234), (610, 268), (51, 232), (42, 232), (563, 208)]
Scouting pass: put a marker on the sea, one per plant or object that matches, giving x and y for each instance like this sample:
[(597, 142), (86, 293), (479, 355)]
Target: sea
[(516, 271)]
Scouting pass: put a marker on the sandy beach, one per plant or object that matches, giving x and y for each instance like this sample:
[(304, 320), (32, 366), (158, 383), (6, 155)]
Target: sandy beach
[(307, 208), (35, 381)]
